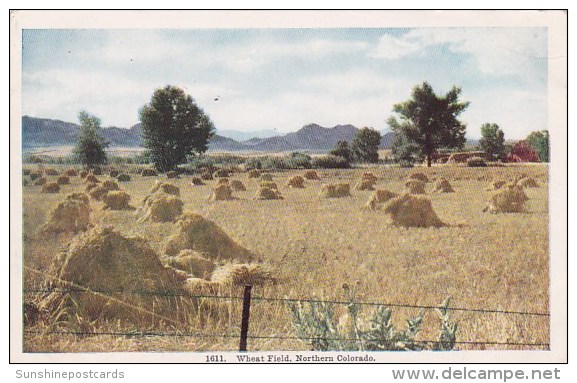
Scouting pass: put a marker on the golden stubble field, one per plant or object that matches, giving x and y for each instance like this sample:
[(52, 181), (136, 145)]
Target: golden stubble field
[(315, 244)]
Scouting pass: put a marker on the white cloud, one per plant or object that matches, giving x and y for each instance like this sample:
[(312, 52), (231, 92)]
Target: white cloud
[(391, 47)]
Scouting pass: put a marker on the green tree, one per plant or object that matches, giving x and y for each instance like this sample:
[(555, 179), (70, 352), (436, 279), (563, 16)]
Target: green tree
[(492, 140), (404, 151), (342, 149), (430, 121), (540, 142), (365, 145), (90, 148), (174, 127)]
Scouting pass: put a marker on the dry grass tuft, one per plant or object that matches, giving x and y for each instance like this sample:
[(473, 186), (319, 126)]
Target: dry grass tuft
[(335, 190), (160, 207), (296, 182), (204, 236), (267, 193), (254, 274), (509, 200), (415, 186), (378, 197), (443, 186), (193, 263), (117, 200), (51, 187), (237, 185), (311, 175), (419, 176), (221, 192), (165, 187), (71, 215), (412, 211)]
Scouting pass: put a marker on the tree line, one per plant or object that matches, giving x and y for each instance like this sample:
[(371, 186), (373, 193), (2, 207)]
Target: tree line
[(175, 128)]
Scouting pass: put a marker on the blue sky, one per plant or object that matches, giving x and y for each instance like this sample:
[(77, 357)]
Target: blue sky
[(285, 78)]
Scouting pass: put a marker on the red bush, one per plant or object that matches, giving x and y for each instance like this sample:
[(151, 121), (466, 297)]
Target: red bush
[(522, 152)]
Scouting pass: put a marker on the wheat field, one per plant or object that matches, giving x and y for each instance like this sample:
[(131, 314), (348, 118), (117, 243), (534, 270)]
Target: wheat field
[(315, 244)]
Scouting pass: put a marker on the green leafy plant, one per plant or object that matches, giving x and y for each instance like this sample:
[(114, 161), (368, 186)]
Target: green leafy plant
[(317, 324)]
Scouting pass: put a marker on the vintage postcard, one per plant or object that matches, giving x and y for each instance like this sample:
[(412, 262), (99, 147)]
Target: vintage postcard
[(288, 186)]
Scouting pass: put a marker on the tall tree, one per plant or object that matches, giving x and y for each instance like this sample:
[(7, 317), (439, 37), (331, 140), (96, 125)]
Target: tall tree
[(90, 148), (405, 152), (174, 127), (430, 121), (365, 145), (492, 140), (540, 142), (342, 149)]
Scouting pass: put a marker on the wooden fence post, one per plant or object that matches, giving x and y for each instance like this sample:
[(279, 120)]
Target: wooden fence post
[(245, 317)]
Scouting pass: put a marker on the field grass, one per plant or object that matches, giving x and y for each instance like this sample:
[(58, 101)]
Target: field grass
[(314, 244)]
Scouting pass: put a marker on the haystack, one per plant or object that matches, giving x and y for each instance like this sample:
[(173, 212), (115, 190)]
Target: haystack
[(419, 176), (527, 182), (172, 174), (200, 286), (91, 178), (71, 172), (114, 173), (196, 181), (221, 192), (266, 177), (83, 173), (40, 181), (51, 187), (123, 177), (508, 200), (71, 215), (412, 211), (26, 172), (119, 269), (296, 182), (335, 190), (192, 262), (110, 185), (369, 176), (35, 175), (97, 192), (443, 186), (266, 193), (117, 200), (160, 207), (63, 180), (51, 172), (253, 173), (415, 186), (254, 274), (205, 237), (148, 172), (237, 185), (165, 187), (206, 176), (89, 187), (97, 171), (378, 197), (221, 173), (311, 175), (222, 181), (496, 185), (365, 184), (269, 184)]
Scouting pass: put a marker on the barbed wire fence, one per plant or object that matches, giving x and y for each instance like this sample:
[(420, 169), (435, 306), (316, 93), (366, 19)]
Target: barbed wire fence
[(244, 321)]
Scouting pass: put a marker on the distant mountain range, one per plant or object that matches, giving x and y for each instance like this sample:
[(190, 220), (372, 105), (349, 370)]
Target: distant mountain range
[(43, 132)]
